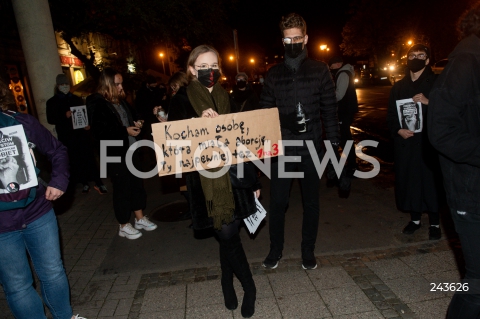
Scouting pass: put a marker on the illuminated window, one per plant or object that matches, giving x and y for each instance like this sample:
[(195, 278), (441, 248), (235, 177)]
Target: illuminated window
[(78, 75)]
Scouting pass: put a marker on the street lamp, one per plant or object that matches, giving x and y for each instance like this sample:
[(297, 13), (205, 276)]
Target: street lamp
[(324, 49), (163, 62), (252, 60)]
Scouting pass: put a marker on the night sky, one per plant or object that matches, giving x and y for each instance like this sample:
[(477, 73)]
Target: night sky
[(257, 24)]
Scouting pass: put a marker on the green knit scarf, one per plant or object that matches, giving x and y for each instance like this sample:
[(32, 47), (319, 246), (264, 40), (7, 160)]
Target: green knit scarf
[(217, 191)]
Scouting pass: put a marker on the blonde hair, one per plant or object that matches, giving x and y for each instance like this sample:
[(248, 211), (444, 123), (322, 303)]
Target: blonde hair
[(201, 49), (106, 86)]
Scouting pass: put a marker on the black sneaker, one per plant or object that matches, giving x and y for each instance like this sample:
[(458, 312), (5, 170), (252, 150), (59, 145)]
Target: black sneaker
[(85, 189), (308, 260), (434, 233), (411, 228), (271, 262)]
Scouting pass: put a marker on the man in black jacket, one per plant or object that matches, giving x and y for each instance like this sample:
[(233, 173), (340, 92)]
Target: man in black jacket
[(454, 130), (306, 83)]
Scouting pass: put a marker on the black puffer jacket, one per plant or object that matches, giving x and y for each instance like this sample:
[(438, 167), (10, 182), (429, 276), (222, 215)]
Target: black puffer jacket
[(312, 85), (454, 128)]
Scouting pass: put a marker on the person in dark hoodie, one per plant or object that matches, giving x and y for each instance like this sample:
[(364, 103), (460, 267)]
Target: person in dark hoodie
[(308, 83), (243, 98), (454, 130), (83, 165), (417, 172)]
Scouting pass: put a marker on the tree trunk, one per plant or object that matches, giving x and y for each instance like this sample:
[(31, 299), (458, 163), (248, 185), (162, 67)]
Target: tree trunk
[(92, 70)]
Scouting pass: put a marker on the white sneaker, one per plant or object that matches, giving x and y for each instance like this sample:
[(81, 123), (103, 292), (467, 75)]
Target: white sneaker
[(78, 317), (129, 232), (145, 223)]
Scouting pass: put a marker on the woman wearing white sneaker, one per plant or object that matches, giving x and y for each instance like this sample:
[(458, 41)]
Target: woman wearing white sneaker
[(113, 119), (216, 202)]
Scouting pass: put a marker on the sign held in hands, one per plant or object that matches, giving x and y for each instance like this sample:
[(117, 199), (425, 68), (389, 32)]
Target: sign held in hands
[(205, 143)]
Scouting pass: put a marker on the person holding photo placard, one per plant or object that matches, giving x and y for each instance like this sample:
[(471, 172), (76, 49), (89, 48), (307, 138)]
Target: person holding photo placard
[(29, 235), (83, 166), (417, 170), (216, 202)]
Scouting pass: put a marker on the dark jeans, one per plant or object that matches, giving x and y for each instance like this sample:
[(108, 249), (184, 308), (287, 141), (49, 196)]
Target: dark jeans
[(346, 135), (467, 305), (279, 197)]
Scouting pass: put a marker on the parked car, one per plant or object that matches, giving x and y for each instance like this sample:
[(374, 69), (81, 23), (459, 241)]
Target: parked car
[(376, 75), (438, 66)]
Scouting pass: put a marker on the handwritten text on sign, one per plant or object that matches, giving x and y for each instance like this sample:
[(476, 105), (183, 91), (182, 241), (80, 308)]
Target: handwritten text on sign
[(203, 143)]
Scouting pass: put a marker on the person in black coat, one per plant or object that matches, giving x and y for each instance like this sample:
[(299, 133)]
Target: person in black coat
[(454, 130), (417, 171), (83, 166), (243, 97), (216, 202), (114, 120)]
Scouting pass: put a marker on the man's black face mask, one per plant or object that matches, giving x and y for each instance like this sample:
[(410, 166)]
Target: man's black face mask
[(293, 50)]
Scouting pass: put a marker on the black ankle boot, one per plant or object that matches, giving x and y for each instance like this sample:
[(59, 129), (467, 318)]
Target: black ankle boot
[(229, 295), (241, 268)]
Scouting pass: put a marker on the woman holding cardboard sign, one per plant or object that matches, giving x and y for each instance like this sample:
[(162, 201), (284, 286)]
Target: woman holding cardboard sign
[(215, 202)]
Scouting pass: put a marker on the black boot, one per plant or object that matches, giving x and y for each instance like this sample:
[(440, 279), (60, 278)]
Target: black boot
[(231, 301), (241, 268)]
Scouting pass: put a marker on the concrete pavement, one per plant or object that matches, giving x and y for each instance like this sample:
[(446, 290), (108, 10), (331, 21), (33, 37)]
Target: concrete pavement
[(367, 268)]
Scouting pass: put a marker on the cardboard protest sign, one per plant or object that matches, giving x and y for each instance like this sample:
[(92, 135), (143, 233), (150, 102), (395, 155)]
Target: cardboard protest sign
[(17, 170), (79, 116), (204, 143)]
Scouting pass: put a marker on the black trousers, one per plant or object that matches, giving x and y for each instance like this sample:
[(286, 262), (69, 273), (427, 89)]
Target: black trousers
[(128, 191), (467, 305), (279, 198)]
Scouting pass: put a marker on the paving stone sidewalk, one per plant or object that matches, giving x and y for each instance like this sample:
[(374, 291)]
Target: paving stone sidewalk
[(376, 283)]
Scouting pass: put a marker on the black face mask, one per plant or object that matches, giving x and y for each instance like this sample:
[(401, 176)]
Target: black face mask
[(208, 77), (293, 50), (415, 65), (241, 84)]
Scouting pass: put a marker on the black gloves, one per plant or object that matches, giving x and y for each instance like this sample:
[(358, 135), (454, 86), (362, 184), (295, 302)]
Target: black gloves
[(289, 121)]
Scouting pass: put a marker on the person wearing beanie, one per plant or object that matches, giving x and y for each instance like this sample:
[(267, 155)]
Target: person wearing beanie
[(83, 165), (417, 170), (304, 85), (243, 98), (344, 77)]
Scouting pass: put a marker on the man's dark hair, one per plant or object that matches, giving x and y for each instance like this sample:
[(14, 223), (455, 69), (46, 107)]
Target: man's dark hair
[(419, 47), (469, 22), (293, 20)]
